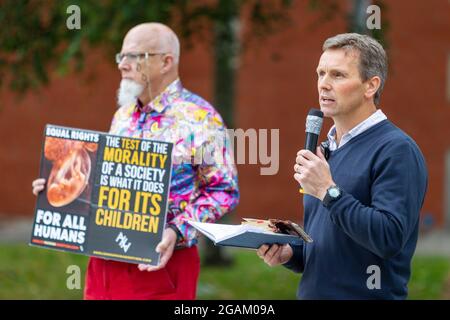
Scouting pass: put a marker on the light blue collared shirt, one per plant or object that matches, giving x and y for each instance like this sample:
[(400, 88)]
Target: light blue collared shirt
[(375, 118)]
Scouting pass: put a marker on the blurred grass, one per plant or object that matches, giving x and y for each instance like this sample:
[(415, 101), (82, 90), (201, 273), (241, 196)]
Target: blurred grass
[(430, 278), (36, 273), (248, 278)]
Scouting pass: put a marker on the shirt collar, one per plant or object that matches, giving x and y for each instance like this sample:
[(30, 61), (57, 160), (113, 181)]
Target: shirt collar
[(164, 99), (373, 119)]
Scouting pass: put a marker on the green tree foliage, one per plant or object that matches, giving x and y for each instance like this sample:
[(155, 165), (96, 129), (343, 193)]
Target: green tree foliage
[(35, 40)]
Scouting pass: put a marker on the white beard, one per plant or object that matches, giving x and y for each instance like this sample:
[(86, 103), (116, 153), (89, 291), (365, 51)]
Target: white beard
[(128, 92)]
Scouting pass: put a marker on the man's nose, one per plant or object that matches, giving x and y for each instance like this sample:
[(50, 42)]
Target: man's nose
[(324, 83), (123, 65)]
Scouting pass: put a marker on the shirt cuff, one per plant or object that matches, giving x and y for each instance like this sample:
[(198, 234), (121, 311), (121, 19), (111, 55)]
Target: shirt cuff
[(172, 226)]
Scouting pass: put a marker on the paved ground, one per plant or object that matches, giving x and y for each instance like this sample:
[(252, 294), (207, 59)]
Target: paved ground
[(434, 243), (15, 231), (430, 243)]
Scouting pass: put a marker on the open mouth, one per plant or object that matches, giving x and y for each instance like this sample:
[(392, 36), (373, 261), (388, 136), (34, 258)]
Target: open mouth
[(326, 100)]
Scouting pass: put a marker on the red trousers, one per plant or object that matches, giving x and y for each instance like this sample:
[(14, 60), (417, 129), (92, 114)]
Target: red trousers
[(107, 279)]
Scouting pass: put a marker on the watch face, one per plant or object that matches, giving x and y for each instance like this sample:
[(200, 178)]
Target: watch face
[(334, 192)]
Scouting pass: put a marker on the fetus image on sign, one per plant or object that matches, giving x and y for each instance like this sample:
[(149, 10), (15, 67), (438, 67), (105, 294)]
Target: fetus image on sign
[(71, 168)]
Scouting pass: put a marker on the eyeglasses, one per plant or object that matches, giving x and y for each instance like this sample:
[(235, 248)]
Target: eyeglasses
[(134, 57)]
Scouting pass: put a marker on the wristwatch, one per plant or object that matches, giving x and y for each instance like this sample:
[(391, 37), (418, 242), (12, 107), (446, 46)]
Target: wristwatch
[(333, 194)]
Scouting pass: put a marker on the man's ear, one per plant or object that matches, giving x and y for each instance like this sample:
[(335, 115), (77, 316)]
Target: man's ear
[(167, 63), (372, 86)]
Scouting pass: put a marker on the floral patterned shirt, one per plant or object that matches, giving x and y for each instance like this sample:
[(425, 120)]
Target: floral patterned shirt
[(204, 184)]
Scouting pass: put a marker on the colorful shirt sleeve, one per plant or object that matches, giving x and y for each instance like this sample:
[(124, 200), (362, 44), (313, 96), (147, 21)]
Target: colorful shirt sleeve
[(216, 178)]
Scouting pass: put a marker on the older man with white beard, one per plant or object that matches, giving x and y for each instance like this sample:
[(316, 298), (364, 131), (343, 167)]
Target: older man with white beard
[(153, 104)]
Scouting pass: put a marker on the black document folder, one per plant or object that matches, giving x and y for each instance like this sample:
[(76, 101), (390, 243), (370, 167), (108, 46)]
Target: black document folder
[(243, 236)]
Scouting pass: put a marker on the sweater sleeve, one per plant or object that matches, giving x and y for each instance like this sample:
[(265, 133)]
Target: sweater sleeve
[(397, 193), (296, 263)]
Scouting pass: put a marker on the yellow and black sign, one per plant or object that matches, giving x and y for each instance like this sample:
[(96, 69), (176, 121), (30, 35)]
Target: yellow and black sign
[(105, 195)]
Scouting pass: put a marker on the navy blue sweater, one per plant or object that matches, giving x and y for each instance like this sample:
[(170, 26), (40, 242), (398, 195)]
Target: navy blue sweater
[(384, 178)]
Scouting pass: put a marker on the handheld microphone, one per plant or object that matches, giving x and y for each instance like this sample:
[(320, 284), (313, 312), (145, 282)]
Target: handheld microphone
[(314, 122)]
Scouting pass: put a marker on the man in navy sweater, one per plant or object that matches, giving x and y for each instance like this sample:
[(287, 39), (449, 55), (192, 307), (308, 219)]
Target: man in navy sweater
[(361, 205)]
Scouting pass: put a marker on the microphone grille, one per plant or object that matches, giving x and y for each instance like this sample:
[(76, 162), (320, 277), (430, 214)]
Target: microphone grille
[(314, 121)]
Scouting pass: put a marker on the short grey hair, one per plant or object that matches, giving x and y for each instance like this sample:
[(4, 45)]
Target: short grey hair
[(372, 57), (169, 43)]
